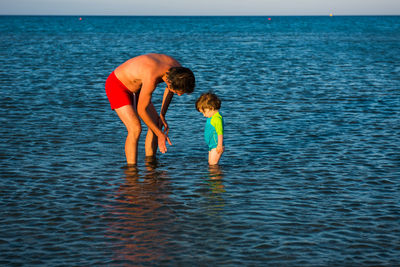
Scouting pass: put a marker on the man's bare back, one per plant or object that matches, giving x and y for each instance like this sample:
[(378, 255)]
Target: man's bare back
[(145, 68)]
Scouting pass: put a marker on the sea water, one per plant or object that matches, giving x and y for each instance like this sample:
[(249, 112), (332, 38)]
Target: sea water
[(309, 177)]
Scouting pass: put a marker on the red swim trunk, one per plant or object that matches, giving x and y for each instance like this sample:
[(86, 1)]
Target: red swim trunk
[(117, 93)]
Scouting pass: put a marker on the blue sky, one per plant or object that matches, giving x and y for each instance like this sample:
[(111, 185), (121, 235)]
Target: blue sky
[(201, 7)]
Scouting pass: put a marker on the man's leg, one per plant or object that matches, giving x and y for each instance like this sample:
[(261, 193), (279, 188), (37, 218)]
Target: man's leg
[(129, 117), (151, 143)]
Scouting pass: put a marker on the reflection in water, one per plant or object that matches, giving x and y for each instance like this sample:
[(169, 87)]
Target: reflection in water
[(215, 179), (321, 188), (215, 201), (140, 217)]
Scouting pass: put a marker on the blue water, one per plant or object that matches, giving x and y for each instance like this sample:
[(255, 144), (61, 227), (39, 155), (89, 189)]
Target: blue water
[(310, 176)]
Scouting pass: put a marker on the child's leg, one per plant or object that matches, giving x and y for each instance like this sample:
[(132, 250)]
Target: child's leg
[(213, 157)]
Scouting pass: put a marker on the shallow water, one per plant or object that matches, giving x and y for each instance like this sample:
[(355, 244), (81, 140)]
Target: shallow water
[(310, 175)]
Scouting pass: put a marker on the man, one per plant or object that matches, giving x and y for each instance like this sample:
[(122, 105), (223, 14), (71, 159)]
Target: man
[(129, 89)]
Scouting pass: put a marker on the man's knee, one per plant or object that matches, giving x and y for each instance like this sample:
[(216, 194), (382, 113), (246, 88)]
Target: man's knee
[(135, 131)]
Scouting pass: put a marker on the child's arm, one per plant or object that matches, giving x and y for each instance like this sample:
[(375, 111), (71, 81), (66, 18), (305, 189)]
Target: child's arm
[(219, 128), (220, 147)]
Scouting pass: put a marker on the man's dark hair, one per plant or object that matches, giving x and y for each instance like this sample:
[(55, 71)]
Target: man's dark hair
[(181, 79)]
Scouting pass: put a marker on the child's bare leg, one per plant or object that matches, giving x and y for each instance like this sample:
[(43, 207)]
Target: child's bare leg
[(213, 157)]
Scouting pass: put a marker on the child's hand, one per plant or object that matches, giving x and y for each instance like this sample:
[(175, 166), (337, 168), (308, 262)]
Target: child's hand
[(220, 149)]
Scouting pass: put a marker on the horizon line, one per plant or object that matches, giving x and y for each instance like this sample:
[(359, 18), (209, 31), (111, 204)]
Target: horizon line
[(203, 15)]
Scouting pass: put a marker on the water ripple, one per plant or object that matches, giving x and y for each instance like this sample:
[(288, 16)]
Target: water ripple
[(309, 176)]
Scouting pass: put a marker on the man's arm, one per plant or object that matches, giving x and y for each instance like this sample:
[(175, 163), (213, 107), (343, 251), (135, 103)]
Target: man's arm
[(167, 97), (143, 103)]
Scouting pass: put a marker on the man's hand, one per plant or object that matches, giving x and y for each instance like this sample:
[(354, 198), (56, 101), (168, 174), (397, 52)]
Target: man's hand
[(163, 122), (220, 149), (161, 143)]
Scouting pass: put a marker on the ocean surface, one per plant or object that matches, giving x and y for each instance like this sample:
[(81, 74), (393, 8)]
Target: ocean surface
[(310, 175)]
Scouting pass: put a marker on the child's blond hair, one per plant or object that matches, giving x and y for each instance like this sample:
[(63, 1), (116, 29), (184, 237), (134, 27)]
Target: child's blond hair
[(208, 101)]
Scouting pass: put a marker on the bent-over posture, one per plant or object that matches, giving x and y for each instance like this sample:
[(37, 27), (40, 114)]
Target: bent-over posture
[(129, 89)]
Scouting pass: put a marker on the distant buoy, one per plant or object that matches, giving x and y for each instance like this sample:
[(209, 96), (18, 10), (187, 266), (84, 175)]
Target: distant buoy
[(269, 18), (80, 18)]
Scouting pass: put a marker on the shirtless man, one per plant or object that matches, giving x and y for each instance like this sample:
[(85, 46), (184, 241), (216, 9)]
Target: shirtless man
[(129, 89)]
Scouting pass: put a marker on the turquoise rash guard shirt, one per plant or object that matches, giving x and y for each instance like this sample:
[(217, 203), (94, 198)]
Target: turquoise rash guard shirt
[(214, 127)]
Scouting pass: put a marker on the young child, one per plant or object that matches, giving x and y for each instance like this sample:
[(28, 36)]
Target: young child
[(209, 104)]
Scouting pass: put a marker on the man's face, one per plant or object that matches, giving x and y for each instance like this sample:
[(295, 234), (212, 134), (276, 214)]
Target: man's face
[(179, 93)]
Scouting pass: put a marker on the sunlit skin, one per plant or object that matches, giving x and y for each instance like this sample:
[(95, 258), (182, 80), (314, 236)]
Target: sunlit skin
[(215, 154), (144, 73)]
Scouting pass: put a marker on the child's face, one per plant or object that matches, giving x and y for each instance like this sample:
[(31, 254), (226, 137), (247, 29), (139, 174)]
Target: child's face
[(208, 113)]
